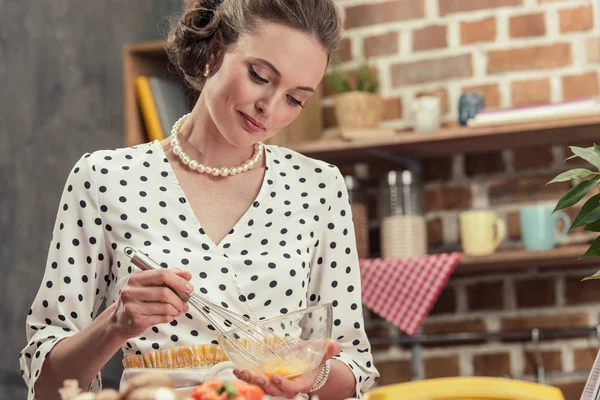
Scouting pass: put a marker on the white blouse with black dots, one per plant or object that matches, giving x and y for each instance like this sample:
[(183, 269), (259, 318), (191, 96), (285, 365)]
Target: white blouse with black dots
[(293, 248)]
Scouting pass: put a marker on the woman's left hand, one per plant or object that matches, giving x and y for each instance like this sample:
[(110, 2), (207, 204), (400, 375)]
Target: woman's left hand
[(288, 388)]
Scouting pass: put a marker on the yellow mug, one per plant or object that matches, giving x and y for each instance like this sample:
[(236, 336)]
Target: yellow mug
[(481, 232)]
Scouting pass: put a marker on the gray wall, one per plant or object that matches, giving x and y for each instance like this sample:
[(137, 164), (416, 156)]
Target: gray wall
[(60, 96)]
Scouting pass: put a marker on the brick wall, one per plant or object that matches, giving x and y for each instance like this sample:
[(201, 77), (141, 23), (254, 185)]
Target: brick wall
[(498, 302), (516, 52), (503, 181)]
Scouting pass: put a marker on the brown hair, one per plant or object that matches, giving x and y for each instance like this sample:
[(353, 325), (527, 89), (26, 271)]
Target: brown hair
[(191, 36)]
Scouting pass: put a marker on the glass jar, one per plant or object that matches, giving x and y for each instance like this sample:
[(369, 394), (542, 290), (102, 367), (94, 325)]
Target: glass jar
[(403, 227), (358, 204)]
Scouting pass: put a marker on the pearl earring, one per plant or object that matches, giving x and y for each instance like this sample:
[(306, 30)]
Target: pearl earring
[(206, 70)]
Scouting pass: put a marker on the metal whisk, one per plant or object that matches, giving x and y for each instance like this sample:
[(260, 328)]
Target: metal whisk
[(263, 336)]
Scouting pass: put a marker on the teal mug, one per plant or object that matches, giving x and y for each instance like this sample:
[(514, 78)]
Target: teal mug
[(538, 227)]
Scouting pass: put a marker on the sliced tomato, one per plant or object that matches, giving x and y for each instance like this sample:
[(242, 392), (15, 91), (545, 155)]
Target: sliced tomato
[(213, 390)]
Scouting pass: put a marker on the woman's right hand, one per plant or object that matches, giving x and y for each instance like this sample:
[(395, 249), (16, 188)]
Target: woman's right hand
[(148, 299)]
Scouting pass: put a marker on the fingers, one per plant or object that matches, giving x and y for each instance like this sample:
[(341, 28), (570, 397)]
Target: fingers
[(184, 274), (175, 280), (154, 294), (333, 349), (290, 386)]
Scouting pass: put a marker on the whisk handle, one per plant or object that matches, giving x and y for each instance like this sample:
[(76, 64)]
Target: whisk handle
[(145, 263)]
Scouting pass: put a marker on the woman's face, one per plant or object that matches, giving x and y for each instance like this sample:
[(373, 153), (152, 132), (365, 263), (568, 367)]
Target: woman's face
[(262, 83)]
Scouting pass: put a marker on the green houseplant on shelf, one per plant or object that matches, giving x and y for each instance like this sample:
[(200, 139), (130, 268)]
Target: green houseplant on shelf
[(357, 103), (589, 216)]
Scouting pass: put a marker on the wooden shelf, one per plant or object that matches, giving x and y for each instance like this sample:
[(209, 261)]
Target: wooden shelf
[(149, 58), (507, 260), (458, 140)]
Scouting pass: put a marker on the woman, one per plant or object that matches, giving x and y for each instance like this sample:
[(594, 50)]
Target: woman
[(259, 229)]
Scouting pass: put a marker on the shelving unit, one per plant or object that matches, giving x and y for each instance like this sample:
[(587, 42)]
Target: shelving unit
[(511, 260), (149, 58), (457, 140)]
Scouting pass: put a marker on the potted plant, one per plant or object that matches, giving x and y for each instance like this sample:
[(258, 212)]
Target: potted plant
[(589, 216), (357, 103)]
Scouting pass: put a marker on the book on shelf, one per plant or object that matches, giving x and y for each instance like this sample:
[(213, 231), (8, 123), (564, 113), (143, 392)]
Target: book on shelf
[(536, 112), (162, 103)]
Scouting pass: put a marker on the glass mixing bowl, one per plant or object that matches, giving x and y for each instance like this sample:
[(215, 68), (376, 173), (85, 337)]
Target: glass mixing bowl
[(288, 345)]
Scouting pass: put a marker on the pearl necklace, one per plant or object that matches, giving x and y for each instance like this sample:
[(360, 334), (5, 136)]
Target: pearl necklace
[(196, 166)]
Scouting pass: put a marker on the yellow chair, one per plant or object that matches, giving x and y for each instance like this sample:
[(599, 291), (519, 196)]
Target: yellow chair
[(466, 388)]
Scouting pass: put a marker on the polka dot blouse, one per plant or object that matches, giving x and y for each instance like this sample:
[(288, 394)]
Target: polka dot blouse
[(293, 248)]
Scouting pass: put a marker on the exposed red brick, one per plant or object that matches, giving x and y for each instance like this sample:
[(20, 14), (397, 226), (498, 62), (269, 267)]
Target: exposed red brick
[(552, 360), (430, 37), (533, 157), (576, 19), (448, 198), (513, 227), (455, 6), (493, 364), (485, 296), (392, 108), (329, 119), (535, 292), (526, 189), (345, 50), (435, 232), (446, 302), (437, 168), (394, 372), (576, 86), (578, 292), (556, 320), (529, 58), (483, 30), (381, 45), (491, 93), (380, 13), (433, 69), (527, 25), (484, 163), (378, 331), (583, 359), (571, 390), (439, 367), (463, 325), (530, 91)]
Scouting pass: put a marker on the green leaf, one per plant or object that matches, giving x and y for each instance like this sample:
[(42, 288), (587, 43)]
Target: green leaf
[(577, 193), (595, 276), (588, 154), (596, 148), (593, 250), (590, 212), (593, 227), (576, 173), (230, 390)]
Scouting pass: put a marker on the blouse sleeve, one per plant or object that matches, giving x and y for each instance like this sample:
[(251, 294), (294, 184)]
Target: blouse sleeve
[(335, 278), (76, 274)]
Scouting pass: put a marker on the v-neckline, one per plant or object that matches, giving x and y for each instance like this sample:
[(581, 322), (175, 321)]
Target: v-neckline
[(191, 212)]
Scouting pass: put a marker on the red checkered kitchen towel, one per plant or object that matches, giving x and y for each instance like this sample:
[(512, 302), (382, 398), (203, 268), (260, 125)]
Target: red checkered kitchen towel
[(403, 291)]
